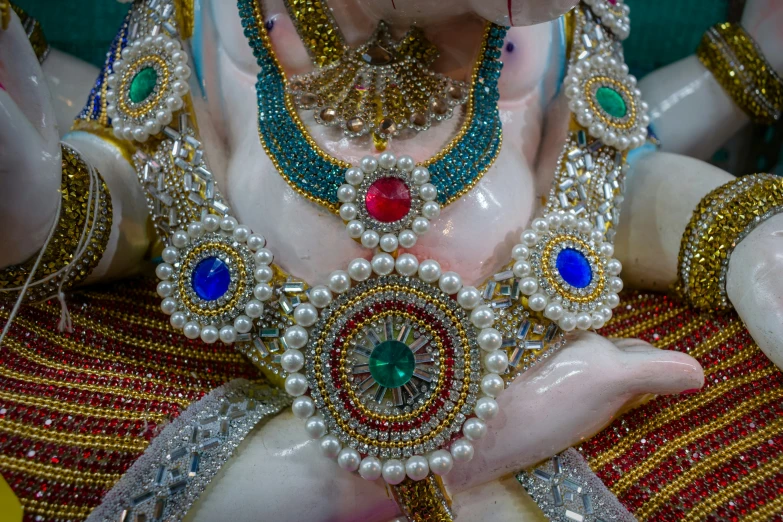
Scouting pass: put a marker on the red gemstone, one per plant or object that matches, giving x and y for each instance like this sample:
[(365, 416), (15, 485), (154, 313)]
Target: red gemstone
[(388, 200)]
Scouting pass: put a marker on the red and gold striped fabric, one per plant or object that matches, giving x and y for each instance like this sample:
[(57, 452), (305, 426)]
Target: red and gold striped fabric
[(77, 409), (712, 455)]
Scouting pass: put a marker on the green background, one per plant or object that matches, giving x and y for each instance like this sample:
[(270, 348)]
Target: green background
[(663, 31)]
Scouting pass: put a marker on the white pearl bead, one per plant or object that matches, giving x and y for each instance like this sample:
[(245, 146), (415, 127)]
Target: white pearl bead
[(264, 274), (393, 472), (607, 249), (623, 142), (170, 255), (428, 192), (492, 384), (209, 334), (420, 175), (554, 220), (191, 330), (180, 87), (387, 160), (584, 226), (354, 176), (567, 322), (605, 312), (482, 316), (520, 252), (295, 337), (389, 243), (615, 284), (346, 193), (211, 222), (355, 229), (228, 335), (383, 264), (254, 309), (339, 281), (152, 127), (320, 296), (295, 384), (496, 362), (597, 236), (405, 163), (349, 459), (263, 291), (264, 256), (305, 314), (583, 320), (469, 297), (163, 116), (292, 360), (178, 320), (370, 468), (490, 339), (228, 223), (429, 271), (486, 408), (315, 427), (529, 238), (164, 270), (369, 164), (450, 282), (330, 446), (370, 239), (359, 269), (537, 302), (407, 238), (179, 57), (241, 233), (474, 429), (174, 103), (553, 311), (612, 300), (521, 269), (165, 289), (303, 407), (407, 265), (139, 134), (462, 450), (243, 324), (540, 225), (440, 462), (420, 225), (569, 220), (598, 321), (614, 267), (195, 230), (168, 306), (348, 211), (417, 468), (430, 210)]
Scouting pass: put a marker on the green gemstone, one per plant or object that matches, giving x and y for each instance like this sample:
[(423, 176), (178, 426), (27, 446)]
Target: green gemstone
[(392, 364), (611, 102), (143, 84)]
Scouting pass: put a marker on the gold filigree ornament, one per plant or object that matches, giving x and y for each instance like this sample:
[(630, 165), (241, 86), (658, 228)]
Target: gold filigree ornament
[(149, 84), (382, 87)]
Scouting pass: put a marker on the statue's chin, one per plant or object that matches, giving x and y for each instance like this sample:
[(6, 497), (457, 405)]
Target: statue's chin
[(521, 12)]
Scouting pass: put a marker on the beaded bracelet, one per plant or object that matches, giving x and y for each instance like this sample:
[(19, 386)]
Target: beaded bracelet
[(721, 220), (737, 63), (79, 239)]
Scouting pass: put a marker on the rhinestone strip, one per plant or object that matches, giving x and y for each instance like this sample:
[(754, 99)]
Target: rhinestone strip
[(180, 462)]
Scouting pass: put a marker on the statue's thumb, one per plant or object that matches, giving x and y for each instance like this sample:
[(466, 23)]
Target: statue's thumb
[(661, 372)]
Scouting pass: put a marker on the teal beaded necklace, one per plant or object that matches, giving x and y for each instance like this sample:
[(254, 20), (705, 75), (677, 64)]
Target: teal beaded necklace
[(317, 176)]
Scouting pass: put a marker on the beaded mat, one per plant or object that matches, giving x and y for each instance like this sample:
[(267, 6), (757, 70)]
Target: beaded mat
[(77, 409)]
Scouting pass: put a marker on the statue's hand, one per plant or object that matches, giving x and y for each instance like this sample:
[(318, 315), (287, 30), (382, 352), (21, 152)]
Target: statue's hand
[(29, 150), (763, 19), (571, 396), (755, 287)]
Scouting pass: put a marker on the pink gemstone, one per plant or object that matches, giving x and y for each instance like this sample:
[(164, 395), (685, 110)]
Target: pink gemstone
[(388, 200), (613, 2)]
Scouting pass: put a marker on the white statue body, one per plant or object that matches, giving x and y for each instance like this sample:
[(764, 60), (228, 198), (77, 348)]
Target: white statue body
[(278, 470)]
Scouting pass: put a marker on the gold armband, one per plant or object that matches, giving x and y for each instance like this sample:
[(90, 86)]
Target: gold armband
[(721, 220), (79, 239), (736, 62)]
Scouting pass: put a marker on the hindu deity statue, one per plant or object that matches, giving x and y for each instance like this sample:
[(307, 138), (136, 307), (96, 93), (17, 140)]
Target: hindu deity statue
[(342, 260)]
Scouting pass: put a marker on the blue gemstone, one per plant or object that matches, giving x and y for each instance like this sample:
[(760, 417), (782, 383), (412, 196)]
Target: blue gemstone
[(211, 279), (574, 268)]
